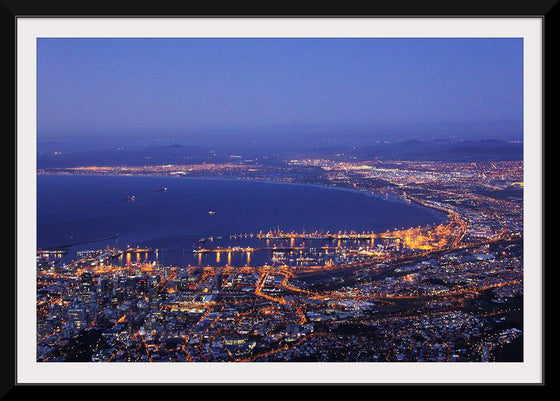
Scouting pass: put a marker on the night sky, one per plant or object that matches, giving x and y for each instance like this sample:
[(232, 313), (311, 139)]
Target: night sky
[(88, 86)]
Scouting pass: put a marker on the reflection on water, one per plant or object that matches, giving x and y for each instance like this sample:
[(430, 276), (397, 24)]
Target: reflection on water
[(172, 222)]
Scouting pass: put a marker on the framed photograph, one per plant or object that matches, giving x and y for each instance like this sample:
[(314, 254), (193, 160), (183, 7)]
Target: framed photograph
[(337, 199)]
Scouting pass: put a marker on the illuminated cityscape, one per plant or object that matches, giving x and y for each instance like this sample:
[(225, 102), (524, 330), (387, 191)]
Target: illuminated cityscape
[(253, 199), (446, 292)]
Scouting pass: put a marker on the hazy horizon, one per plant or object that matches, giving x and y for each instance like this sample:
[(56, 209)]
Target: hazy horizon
[(216, 90)]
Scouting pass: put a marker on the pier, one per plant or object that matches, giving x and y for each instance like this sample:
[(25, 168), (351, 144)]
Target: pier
[(244, 250)]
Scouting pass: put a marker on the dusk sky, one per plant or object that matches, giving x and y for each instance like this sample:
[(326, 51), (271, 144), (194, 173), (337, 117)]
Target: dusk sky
[(115, 86)]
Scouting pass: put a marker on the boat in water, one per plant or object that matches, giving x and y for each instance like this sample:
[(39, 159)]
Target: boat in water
[(130, 198)]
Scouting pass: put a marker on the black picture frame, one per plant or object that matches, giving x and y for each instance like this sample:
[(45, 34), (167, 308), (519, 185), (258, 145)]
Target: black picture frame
[(11, 10)]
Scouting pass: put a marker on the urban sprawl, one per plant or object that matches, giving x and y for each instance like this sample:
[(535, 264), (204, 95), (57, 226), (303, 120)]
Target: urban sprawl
[(443, 293)]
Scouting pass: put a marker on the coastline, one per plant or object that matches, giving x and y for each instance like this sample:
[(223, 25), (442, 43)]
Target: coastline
[(243, 179)]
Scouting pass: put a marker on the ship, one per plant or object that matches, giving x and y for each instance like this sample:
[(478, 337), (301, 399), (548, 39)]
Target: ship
[(211, 212), (164, 189), (129, 198)]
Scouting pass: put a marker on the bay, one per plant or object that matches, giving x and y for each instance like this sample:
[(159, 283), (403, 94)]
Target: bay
[(86, 212)]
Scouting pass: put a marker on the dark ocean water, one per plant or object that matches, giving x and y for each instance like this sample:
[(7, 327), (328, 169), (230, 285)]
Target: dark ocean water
[(84, 209)]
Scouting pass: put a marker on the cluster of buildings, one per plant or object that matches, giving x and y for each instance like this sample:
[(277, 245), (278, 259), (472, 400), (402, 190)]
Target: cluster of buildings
[(460, 302), (446, 308)]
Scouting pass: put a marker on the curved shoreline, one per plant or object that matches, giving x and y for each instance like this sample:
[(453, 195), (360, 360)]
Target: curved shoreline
[(436, 216), (251, 180)]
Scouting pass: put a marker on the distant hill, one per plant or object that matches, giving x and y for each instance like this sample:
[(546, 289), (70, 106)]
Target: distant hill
[(437, 150), (442, 141), (123, 156)]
